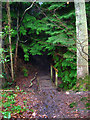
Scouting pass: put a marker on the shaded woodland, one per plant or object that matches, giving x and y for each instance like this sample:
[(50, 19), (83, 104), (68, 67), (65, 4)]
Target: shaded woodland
[(36, 35)]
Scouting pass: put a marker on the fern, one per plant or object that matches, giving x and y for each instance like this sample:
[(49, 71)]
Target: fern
[(50, 28)]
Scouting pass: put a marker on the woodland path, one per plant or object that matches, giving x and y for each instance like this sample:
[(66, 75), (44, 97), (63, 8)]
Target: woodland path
[(54, 104), (45, 82), (47, 102)]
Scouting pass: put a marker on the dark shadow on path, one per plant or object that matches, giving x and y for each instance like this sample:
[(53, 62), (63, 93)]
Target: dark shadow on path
[(42, 63)]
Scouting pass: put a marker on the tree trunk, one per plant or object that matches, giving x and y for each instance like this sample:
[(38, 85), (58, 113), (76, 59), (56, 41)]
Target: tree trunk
[(16, 51), (82, 39), (0, 42), (10, 45)]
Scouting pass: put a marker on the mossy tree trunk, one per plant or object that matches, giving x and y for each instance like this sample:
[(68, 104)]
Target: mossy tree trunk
[(82, 39)]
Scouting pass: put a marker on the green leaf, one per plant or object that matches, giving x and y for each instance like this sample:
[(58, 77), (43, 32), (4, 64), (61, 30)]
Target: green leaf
[(31, 110), (6, 114), (73, 104), (26, 57), (17, 87), (55, 6), (22, 30), (1, 76)]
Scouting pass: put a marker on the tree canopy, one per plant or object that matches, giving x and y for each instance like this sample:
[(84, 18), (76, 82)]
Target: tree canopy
[(45, 28)]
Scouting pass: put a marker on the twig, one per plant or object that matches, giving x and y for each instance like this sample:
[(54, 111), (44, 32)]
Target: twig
[(6, 90), (33, 80)]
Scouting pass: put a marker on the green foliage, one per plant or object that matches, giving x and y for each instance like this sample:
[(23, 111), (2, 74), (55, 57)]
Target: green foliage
[(31, 110), (3, 59), (73, 104), (1, 76), (67, 70), (83, 98), (36, 50), (22, 30), (8, 102), (62, 34), (6, 114), (7, 84), (82, 84), (87, 105), (17, 87), (26, 51), (25, 71), (18, 109), (55, 32), (55, 6), (51, 28)]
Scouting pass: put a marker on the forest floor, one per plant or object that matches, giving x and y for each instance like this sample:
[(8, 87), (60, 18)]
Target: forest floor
[(48, 103)]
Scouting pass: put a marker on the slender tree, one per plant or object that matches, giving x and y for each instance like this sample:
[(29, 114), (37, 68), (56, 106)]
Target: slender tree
[(82, 39), (10, 44), (16, 51), (0, 42), (18, 28)]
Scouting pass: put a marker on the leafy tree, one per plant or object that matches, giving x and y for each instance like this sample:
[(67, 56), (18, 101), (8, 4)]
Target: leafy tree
[(49, 32), (49, 27), (0, 43)]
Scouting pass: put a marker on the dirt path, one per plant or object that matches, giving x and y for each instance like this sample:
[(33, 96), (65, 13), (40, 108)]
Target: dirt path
[(45, 83), (47, 102), (54, 104)]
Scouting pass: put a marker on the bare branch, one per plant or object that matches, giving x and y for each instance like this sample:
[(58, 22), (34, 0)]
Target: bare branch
[(25, 12)]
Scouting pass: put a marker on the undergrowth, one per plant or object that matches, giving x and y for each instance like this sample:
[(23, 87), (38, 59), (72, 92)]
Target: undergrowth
[(84, 100), (25, 72), (9, 105), (82, 84)]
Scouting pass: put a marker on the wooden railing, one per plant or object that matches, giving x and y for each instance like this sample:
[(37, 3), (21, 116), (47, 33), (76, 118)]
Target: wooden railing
[(56, 75)]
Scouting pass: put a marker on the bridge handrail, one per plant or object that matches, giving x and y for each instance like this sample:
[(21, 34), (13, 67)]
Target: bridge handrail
[(54, 68), (56, 75)]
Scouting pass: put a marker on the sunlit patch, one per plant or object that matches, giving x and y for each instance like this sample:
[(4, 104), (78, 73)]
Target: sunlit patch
[(67, 92), (34, 114)]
